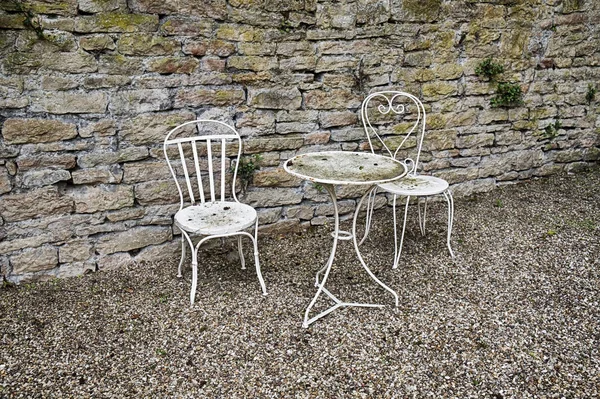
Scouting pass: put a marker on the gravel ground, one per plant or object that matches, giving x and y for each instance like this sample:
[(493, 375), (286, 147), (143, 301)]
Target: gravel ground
[(515, 315)]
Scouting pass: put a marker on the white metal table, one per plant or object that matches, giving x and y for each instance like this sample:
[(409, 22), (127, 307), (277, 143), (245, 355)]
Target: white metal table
[(331, 168)]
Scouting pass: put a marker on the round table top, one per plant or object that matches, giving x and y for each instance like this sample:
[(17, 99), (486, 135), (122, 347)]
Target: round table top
[(345, 167)]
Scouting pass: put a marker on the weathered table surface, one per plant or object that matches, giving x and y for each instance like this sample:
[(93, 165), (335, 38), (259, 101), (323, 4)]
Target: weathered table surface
[(345, 167)]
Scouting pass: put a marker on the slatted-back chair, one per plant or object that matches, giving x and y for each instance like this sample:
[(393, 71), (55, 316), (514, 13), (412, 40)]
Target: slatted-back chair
[(204, 207), (382, 105)]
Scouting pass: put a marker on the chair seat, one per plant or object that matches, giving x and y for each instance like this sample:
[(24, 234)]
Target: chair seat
[(416, 186), (213, 218)]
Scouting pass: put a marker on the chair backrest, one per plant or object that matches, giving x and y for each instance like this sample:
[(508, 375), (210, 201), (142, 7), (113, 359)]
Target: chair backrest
[(398, 103), (202, 143)]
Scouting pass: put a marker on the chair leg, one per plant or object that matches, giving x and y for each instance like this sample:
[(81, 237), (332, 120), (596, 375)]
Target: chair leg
[(450, 200), (397, 258), (422, 218), (241, 253), (194, 276), (182, 256), (369, 214), (256, 261)]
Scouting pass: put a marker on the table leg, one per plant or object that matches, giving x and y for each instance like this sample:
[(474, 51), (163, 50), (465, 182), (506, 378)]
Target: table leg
[(358, 251), (327, 269)]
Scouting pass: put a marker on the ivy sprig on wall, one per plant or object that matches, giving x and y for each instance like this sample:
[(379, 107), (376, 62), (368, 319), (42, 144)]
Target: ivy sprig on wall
[(31, 21)]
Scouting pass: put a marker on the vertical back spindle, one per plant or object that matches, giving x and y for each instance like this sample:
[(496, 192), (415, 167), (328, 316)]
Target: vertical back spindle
[(211, 178), (223, 169), (198, 173), (186, 174)]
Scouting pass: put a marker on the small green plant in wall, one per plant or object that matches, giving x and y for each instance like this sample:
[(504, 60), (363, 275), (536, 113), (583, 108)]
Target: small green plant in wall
[(507, 95), (489, 69), (551, 131), (590, 96), (246, 168)]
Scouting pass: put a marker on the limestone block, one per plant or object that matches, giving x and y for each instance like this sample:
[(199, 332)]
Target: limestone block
[(475, 140), (114, 261), (105, 81), (195, 97), (508, 138), (167, 251), (5, 184), (440, 139), (334, 119), (98, 6), (269, 215), (109, 158), (299, 63), (135, 172), (256, 123), (152, 128), (145, 44), (472, 187), (216, 9), (156, 192), (274, 178), (66, 7), (275, 98), (256, 145), (345, 206), (139, 101), (34, 260), (349, 134), (295, 127), (75, 269), (135, 238), (19, 131), (36, 203), (495, 165), (101, 128), (75, 62), (336, 63), (116, 23), (69, 102), (125, 214), (317, 138), (220, 48), (187, 25), (304, 212), (239, 33), (332, 99), (90, 199), (438, 90), (104, 175), (43, 177), (117, 64), (270, 197), (76, 250), (168, 65)]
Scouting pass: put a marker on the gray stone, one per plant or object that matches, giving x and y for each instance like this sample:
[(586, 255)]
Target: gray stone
[(196, 97), (116, 22), (276, 98), (136, 238), (304, 212), (90, 199), (34, 260), (44, 177), (97, 175), (152, 128), (114, 261), (36, 203), (5, 184), (156, 192), (69, 102), (109, 158), (19, 131), (75, 251), (139, 101), (135, 172), (269, 197), (334, 119)]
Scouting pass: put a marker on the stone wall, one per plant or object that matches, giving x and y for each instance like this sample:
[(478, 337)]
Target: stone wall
[(87, 99)]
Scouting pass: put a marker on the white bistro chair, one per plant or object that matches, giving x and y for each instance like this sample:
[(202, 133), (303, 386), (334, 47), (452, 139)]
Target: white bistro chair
[(208, 213), (396, 103)]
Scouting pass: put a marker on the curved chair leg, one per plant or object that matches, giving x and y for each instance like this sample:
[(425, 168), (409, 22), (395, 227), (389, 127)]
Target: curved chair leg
[(241, 253), (256, 261), (369, 213), (194, 266), (397, 257), (182, 256), (450, 200)]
